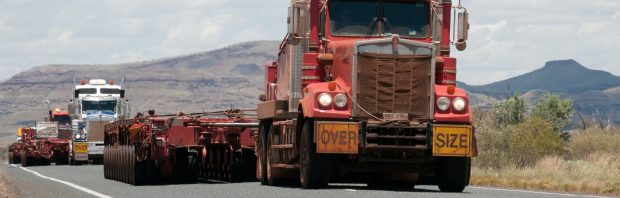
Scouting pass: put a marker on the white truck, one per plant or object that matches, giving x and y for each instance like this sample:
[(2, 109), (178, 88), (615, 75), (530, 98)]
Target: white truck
[(94, 104)]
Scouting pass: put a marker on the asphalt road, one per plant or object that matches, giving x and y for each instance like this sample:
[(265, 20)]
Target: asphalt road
[(88, 181)]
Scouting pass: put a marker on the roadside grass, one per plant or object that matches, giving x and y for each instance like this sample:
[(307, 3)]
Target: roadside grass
[(590, 164), (599, 173)]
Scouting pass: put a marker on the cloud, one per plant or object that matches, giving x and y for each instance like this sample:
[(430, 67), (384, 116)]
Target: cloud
[(507, 38)]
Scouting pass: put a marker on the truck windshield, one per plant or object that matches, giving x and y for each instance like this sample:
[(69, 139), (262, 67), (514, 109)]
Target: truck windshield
[(62, 119), (360, 18), (99, 106), (110, 91)]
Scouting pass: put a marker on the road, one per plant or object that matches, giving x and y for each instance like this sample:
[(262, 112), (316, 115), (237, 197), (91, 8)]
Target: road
[(88, 181)]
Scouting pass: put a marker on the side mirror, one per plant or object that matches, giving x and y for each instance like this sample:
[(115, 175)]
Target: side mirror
[(462, 31), (76, 94), (122, 93)]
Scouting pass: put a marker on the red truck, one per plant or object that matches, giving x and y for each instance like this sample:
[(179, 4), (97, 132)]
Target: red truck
[(180, 148), (47, 142), (366, 91), (40, 146)]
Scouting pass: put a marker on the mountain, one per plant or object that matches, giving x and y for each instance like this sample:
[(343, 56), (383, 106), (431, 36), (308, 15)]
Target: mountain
[(594, 93), (561, 76), (211, 80)]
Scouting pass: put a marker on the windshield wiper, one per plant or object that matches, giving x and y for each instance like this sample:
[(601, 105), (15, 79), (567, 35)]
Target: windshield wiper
[(370, 27), (387, 23)]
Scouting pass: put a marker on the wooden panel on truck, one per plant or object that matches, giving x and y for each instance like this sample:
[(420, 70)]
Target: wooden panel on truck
[(389, 83), (96, 130)]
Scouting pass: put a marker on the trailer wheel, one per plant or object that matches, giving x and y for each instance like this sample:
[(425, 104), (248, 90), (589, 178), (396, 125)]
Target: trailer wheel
[(314, 168), (25, 159), (454, 174), (262, 153), (11, 160)]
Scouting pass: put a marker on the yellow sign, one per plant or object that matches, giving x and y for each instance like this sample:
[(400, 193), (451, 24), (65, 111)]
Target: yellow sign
[(81, 148), (336, 137), (452, 140)]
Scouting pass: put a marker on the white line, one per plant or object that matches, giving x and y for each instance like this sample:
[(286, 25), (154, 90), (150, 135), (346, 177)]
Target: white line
[(538, 192), (350, 190), (83, 189)]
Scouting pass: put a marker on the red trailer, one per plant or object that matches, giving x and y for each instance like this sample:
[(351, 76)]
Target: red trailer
[(40, 146), (180, 148)]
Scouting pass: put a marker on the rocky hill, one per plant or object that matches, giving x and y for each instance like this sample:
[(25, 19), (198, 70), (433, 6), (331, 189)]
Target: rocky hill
[(594, 93), (211, 80)]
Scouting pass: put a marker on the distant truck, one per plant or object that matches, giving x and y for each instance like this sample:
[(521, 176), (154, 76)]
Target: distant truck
[(94, 104), (39, 146)]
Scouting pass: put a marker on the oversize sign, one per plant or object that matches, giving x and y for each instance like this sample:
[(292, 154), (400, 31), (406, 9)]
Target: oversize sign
[(336, 137), (452, 140)]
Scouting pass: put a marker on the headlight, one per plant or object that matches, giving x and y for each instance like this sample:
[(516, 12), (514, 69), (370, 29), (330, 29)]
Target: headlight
[(77, 136), (325, 100), (340, 100), (443, 103), (459, 104)]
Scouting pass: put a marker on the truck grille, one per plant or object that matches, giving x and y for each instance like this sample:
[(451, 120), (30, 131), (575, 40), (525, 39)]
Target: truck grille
[(390, 83)]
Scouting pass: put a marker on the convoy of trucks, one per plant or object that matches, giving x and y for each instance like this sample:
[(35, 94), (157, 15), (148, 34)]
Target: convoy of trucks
[(362, 91)]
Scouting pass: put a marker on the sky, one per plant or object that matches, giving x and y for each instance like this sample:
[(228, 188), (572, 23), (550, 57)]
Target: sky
[(507, 38)]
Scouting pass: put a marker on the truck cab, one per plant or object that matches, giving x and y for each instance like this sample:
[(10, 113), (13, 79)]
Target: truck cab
[(94, 104), (368, 88)]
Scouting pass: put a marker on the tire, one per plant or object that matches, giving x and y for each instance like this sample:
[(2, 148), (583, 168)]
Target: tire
[(454, 176), (25, 162), (105, 162), (314, 168), (11, 160), (262, 153), (180, 166)]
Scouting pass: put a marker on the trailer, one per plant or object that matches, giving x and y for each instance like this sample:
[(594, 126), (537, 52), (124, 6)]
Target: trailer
[(39, 146), (367, 90), (181, 148)]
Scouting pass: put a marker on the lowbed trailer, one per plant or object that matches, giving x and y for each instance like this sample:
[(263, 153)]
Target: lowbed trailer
[(33, 150), (181, 148)]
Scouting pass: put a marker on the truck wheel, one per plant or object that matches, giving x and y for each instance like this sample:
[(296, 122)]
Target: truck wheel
[(24, 159), (314, 168), (454, 174), (180, 166), (105, 162), (11, 160), (262, 153)]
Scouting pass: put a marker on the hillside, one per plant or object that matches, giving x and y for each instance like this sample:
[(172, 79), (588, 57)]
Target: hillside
[(594, 93), (203, 81), (562, 76)]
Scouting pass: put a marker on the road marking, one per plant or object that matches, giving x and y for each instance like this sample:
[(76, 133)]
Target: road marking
[(83, 189), (350, 190), (538, 192)]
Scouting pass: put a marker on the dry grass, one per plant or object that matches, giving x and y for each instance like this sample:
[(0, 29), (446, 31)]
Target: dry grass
[(599, 173)]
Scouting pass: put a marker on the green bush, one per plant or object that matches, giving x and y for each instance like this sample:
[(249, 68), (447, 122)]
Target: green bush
[(510, 112), (532, 140), (555, 111)]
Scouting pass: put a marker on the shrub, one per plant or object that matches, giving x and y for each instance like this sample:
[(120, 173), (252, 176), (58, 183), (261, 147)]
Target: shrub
[(555, 111), (532, 140), (510, 112)]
